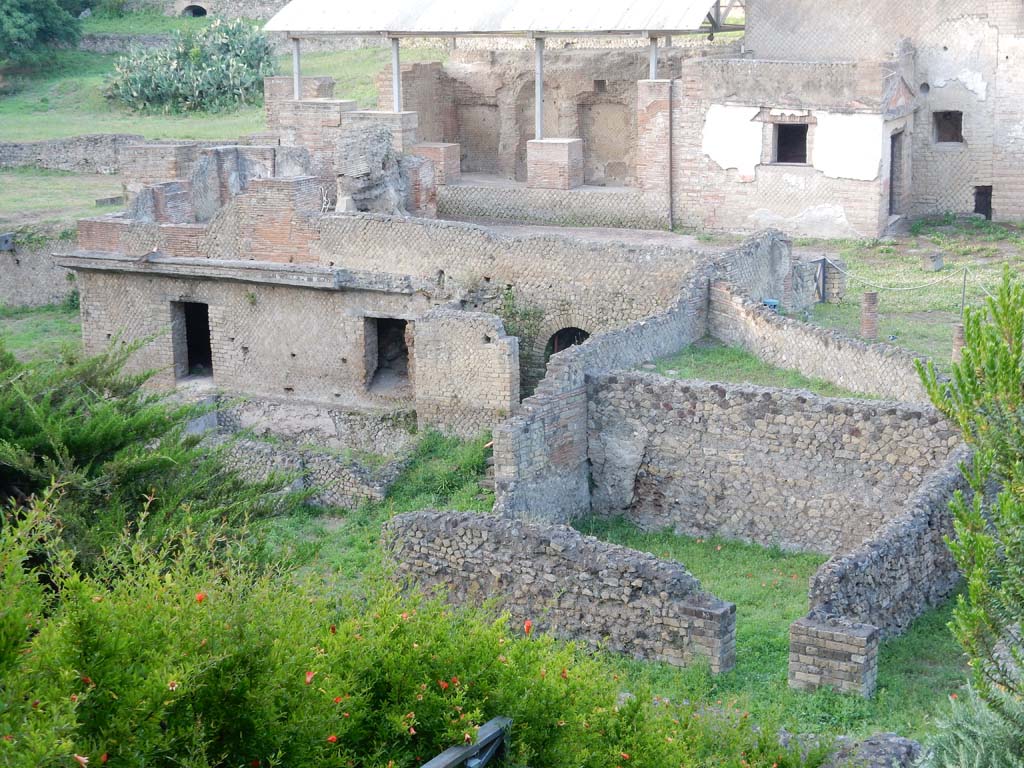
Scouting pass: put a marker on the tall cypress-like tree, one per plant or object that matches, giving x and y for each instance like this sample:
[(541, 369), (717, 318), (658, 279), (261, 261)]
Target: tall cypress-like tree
[(985, 398)]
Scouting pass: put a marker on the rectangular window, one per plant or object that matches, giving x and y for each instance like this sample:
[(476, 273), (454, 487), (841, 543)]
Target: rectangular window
[(791, 144), (949, 127)]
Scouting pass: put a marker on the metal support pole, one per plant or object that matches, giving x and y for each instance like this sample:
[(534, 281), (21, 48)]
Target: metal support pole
[(654, 59), (668, 41), (538, 89), (396, 76), (296, 68)]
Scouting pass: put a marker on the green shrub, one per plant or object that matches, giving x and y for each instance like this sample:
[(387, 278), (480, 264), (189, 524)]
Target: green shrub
[(91, 430), (30, 28), (169, 661), (218, 67), (985, 398), (972, 736)]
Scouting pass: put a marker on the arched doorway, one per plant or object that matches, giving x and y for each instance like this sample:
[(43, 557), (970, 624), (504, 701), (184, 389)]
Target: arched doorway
[(563, 339), (194, 11)]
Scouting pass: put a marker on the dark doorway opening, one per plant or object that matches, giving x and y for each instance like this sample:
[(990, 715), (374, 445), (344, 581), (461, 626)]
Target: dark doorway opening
[(791, 144), (387, 352), (895, 173), (194, 11), (983, 201), (563, 339), (191, 329)]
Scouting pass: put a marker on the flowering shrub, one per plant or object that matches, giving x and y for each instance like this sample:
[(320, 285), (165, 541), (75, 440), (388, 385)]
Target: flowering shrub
[(167, 660), (219, 67)]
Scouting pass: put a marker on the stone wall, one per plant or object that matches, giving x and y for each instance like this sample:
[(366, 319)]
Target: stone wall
[(572, 585), (336, 480), (93, 153), (29, 277), (541, 457), (774, 467), (467, 371), (905, 567), (882, 370)]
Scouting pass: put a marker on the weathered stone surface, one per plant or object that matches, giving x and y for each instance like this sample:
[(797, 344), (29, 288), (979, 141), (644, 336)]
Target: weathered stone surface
[(570, 584)]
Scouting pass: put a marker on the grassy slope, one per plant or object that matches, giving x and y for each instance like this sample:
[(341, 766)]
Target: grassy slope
[(40, 332), (916, 671), (711, 361), (65, 99), (922, 320), (42, 198)]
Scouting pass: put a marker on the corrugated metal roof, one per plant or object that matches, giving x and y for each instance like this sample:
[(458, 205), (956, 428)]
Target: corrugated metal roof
[(445, 18)]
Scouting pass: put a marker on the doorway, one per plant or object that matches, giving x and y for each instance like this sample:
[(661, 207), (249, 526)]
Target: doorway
[(193, 351), (563, 339), (386, 353), (983, 201), (896, 173)]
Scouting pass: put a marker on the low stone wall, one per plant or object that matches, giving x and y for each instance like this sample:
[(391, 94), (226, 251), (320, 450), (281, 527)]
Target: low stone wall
[(829, 651), (93, 153), (874, 369), (906, 567), (338, 480), (29, 277), (572, 585), (588, 207), (383, 432), (771, 466)]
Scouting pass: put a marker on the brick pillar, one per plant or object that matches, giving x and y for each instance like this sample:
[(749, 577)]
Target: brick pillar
[(869, 316), (830, 651)]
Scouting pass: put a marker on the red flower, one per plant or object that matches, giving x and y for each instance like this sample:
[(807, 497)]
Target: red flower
[(527, 626), (455, 681), (254, 763), (172, 685), (953, 696), (344, 714), (74, 697), (565, 673), (337, 699), (443, 684), (200, 596), (623, 755), (309, 676), (334, 629), (104, 757), (332, 739), (87, 680)]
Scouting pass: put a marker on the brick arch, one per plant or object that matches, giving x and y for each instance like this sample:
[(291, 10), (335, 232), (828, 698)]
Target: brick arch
[(531, 361), (192, 8)]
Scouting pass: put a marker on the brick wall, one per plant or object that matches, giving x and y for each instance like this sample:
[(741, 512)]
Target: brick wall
[(775, 467), (467, 371), (572, 585), (874, 369)]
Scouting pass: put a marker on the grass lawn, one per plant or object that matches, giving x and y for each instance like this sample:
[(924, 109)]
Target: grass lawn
[(712, 361), (923, 320), (916, 671), (39, 332), (65, 98), (143, 24), (45, 198)]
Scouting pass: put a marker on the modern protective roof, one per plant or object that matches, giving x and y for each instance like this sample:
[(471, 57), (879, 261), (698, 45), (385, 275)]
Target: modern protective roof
[(463, 18)]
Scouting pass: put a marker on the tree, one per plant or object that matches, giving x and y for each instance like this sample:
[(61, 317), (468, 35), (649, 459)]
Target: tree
[(28, 28), (985, 398)]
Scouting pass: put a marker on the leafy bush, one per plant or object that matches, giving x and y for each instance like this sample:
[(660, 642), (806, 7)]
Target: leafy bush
[(29, 28), (93, 431), (173, 661), (218, 67), (985, 398), (972, 736)]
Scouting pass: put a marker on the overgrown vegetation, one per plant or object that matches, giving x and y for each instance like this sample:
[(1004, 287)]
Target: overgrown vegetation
[(985, 398), (84, 426), (218, 67), (519, 318), (917, 671), (163, 659), (712, 361)]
